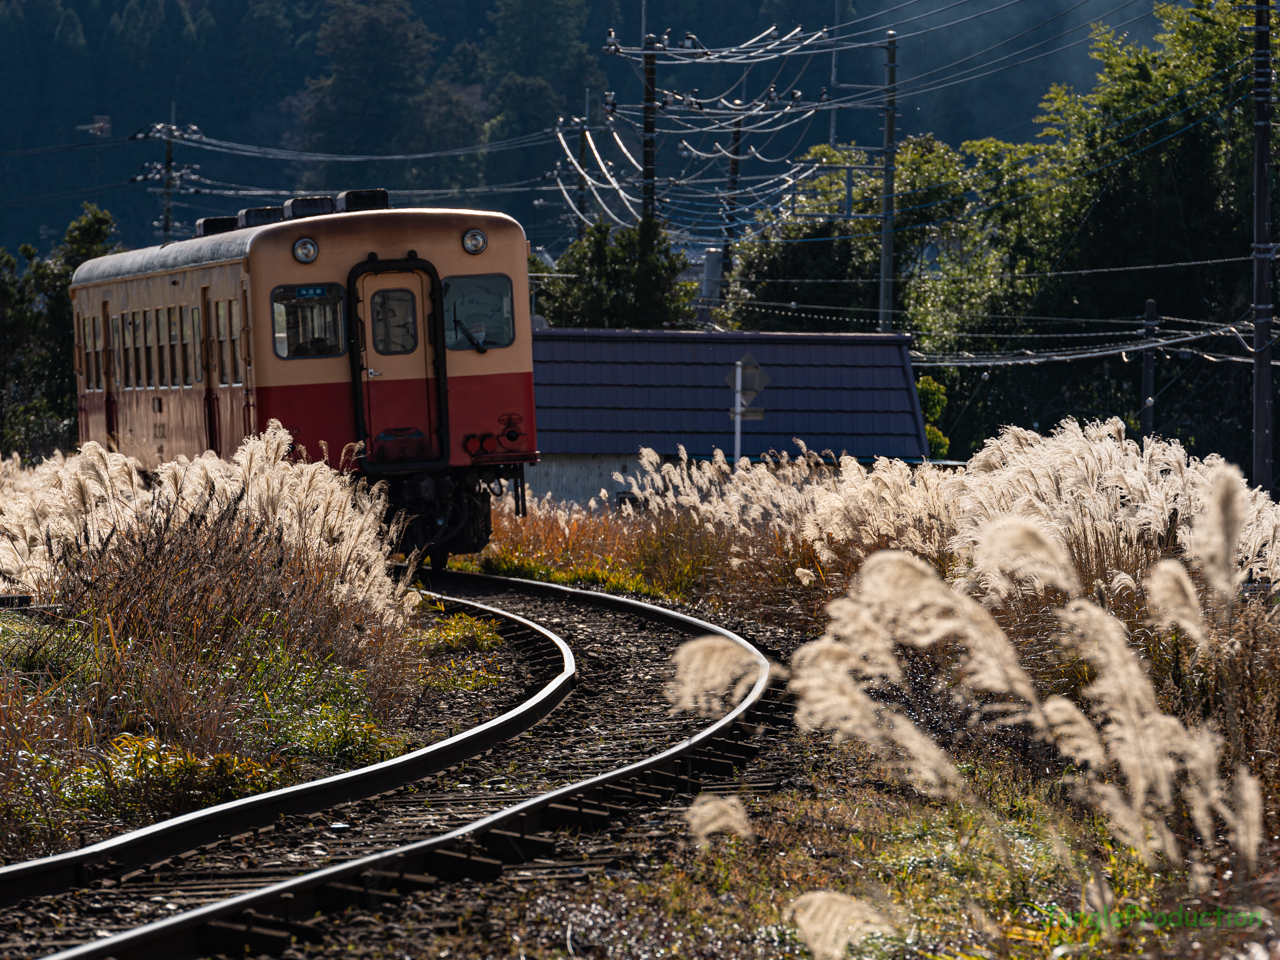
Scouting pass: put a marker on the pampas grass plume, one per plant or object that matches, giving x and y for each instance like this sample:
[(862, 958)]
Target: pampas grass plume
[(710, 814), (828, 922), (1217, 531), (1172, 600), (1024, 549), (712, 674)]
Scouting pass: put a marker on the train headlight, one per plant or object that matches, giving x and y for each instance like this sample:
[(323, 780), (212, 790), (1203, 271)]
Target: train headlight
[(305, 250), (474, 241)]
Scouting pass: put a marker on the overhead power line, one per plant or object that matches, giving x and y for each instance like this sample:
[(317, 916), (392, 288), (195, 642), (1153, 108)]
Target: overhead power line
[(192, 137)]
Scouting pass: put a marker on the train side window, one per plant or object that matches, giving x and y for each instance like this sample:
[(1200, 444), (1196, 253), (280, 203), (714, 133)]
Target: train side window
[(97, 352), (307, 321), (480, 306), (175, 369), (162, 347), (234, 307), (138, 350), (126, 346), (395, 321), (87, 343), (117, 366), (197, 345), (149, 340), (184, 322), (220, 333)]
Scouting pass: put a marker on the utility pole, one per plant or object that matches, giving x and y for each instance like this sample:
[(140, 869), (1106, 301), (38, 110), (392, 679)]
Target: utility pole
[(731, 228), (1148, 372), (101, 127), (1262, 254), (835, 84), (886, 203), (167, 221), (650, 123), (582, 164)]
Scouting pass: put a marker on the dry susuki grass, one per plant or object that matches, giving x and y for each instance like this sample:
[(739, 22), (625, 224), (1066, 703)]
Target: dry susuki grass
[(1071, 602), (219, 626)]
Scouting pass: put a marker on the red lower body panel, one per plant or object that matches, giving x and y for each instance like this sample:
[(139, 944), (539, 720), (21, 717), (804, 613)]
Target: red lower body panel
[(492, 404), (312, 412)]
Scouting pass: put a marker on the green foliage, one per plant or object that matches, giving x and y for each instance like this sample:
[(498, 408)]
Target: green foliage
[(377, 98), (1150, 166), (933, 401), (938, 444), (139, 780), (933, 398), (463, 632), (37, 379), (623, 278)]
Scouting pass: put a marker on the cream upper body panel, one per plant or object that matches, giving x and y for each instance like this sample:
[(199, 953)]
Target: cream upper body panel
[(346, 240)]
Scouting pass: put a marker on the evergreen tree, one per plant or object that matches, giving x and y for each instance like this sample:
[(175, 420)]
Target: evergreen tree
[(37, 379), (624, 278)]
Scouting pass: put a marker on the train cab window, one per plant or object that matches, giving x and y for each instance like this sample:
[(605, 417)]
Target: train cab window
[(234, 307), (307, 321), (478, 312), (175, 371), (395, 321)]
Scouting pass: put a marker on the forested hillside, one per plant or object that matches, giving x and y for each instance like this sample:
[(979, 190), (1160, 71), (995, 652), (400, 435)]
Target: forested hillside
[(281, 73)]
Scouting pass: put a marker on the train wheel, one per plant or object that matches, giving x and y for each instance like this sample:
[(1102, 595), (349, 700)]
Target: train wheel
[(439, 558)]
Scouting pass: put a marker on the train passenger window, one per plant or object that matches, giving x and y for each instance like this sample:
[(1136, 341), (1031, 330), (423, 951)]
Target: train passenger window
[(184, 321), (97, 352), (162, 347), (220, 332), (138, 350), (175, 372), (117, 367), (196, 350), (149, 339), (478, 312), (307, 321), (87, 343), (234, 305), (395, 321), (126, 343)]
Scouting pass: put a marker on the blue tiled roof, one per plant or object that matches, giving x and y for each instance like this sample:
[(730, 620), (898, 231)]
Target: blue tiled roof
[(614, 391)]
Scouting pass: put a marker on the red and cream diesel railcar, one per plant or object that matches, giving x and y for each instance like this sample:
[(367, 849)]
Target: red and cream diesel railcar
[(404, 330)]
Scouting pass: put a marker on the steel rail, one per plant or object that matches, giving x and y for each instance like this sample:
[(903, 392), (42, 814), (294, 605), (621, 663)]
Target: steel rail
[(183, 935), (55, 874)]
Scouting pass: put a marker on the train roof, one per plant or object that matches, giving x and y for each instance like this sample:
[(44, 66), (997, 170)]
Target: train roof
[(174, 255), (220, 247)]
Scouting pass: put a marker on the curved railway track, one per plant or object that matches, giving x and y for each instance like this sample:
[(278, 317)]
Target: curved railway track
[(423, 829)]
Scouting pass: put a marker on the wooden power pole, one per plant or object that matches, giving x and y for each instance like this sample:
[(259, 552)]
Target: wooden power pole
[(1262, 254)]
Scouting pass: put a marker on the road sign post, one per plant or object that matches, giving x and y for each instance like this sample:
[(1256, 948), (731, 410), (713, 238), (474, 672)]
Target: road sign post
[(747, 380)]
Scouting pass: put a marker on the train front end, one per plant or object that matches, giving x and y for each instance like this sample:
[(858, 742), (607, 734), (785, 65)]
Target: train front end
[(407, 334)]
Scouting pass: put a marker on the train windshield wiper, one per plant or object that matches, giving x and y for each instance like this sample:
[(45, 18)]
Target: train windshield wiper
[(469, 335)]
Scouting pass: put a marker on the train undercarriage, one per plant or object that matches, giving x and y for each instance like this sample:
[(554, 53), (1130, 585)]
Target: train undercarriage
[(451, 512)]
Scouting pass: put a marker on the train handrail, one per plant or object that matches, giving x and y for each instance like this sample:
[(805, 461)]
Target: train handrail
[(53, 874)]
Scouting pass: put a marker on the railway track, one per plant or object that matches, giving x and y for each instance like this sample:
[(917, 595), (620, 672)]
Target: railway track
[(509, 799)]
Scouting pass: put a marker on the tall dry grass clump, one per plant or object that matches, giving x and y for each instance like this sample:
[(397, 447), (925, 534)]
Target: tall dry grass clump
[(1162, 786), (235, 609)]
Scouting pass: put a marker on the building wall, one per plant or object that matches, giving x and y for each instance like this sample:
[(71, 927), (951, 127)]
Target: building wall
[(580, 476)]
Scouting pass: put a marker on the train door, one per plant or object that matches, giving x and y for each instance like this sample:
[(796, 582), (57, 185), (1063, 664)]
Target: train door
[(400, 405)]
